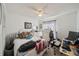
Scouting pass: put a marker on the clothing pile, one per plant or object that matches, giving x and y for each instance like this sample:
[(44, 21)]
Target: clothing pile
[(40, 45)]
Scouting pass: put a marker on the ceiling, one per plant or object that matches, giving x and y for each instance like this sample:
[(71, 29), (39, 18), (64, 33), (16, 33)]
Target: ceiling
[(51, 9)]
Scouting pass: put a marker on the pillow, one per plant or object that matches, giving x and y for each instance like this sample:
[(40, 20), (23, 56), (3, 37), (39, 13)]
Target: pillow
[(29, 36), (23, 35)]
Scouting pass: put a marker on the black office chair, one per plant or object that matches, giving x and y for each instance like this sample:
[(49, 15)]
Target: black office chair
[(72, 37), (53, 41)]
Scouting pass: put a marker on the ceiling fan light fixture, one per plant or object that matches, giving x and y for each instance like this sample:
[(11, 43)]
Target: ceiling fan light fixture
[(40, 15)]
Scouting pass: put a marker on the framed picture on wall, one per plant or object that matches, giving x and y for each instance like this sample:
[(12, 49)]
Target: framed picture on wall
[(27, 25)]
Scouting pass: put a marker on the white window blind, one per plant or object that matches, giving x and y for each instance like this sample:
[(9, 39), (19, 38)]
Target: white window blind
[(49, 25)]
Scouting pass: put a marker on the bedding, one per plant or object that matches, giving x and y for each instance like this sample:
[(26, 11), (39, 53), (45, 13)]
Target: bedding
[(31, 52), (18, 43), (27, 46), (21, 44), (29, 36)]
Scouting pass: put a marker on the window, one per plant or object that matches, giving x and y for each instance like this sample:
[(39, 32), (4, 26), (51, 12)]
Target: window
[(49, 25)]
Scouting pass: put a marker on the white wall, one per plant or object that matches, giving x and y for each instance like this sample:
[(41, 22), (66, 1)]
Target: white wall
[(1, 49), (0, 40), (0, 34), (66, 23), (15, 22), (78, 21), (70, 22)]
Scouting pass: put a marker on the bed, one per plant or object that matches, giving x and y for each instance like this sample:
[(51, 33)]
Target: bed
[(31, 52)]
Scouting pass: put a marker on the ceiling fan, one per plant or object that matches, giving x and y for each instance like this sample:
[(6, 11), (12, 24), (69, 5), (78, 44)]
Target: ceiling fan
[(39, 11)]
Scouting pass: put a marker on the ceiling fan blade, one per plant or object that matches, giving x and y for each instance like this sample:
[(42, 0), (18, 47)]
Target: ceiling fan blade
[(33, 8), (44, 8), (39, 11)]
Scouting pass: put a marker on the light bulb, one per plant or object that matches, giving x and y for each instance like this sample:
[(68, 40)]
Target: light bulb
[(40, 15)]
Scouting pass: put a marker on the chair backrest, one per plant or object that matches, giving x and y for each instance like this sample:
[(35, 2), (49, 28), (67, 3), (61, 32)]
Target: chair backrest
[(51, 35), (72, 35)]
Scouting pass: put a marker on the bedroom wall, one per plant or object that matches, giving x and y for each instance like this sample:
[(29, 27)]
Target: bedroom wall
[(15, 22), (15, 18), (16, 15), (0, 40), (66, 23), (78, 21), (2, 29), (0, 33)]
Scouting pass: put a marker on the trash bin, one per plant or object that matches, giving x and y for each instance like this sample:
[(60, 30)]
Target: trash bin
[(9, 52)]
